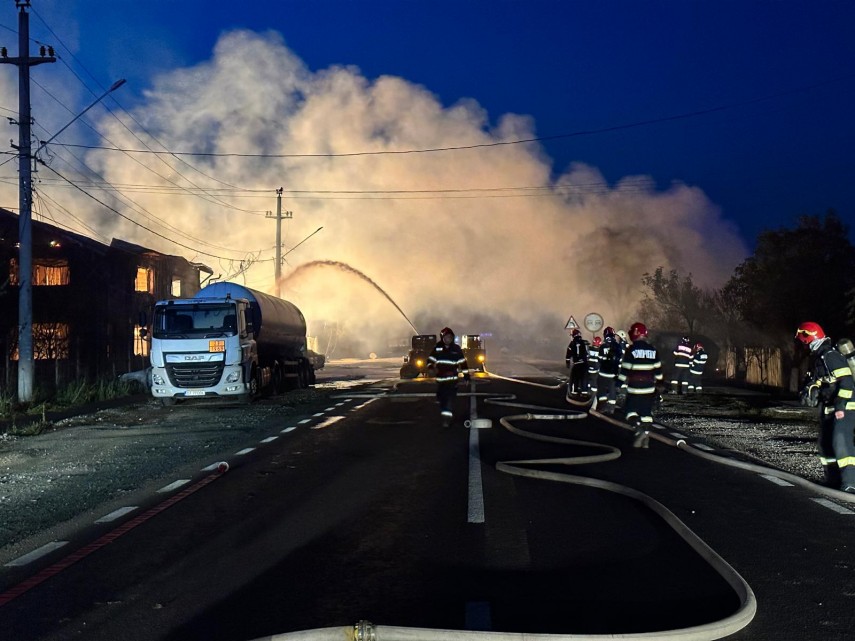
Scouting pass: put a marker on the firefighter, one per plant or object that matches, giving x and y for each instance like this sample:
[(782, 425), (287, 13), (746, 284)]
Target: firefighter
[(448, 360), (696, 371), (829, 385), (593, 365), (576, 359), (640, 371), (682, 365), (610, 356)]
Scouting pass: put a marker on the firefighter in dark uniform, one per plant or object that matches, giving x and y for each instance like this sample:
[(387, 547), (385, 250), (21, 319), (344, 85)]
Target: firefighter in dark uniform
[(640, 371), (830, 386), (696, 371), (577, 359), (682, 365), (448, 360), (610, 356), (593, 365)]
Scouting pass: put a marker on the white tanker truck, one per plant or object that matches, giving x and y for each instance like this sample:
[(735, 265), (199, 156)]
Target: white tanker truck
[(229, 341)]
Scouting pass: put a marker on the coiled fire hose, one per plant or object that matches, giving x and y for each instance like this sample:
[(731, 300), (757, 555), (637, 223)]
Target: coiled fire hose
[(365, 631)]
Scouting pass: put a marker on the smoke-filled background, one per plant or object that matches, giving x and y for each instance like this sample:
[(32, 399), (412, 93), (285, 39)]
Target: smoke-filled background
[(488, 239)]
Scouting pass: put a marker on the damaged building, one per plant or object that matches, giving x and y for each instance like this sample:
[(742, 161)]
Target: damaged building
[(87, 302)]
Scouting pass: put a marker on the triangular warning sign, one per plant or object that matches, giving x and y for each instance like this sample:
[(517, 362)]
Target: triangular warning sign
[(571, 324)]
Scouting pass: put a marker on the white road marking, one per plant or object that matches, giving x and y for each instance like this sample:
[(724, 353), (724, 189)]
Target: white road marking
[(678, 435), (831, 505), (47, 548), (327, 423), (269, 439), (476, 488), (330, 409), (318, 415), (776, 480), (304, 421), (173, 486), (704, 446), (116, 514), (288, 429), (366, 403), (340, 404), (245, 450)]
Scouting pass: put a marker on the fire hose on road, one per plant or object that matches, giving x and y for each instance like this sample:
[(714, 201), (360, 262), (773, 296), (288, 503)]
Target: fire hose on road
[(365, 631)]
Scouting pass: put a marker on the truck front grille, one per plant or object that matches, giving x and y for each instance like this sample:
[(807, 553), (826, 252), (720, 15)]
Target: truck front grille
[(190, 375)]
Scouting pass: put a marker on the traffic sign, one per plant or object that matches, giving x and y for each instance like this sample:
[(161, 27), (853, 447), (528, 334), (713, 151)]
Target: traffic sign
[(571, 324), (593, 322)]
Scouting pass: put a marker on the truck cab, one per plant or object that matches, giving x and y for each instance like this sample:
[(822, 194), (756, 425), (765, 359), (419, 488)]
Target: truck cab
[(202, 347), (416, 361), (475, 351)]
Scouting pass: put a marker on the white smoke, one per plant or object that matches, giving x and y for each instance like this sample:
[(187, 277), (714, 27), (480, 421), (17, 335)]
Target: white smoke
[(558, 247)]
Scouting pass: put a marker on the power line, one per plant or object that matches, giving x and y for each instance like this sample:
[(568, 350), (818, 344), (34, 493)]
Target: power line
[(502, 143), (138, 224)]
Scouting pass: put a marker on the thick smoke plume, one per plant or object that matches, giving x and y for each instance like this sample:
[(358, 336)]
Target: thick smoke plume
[(481, 239)]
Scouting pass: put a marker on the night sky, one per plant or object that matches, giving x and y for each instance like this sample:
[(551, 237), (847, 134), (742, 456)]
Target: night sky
[(784, 70)]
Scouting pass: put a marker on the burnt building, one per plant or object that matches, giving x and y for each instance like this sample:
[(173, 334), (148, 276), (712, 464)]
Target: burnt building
[(88, 298)]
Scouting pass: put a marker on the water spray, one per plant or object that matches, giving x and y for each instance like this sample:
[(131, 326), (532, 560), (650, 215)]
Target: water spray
[(348, 269)]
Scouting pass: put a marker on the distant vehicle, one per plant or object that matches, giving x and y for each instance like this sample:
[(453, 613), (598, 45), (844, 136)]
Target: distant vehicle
[(229, 341), (416, 361), (474, 351)]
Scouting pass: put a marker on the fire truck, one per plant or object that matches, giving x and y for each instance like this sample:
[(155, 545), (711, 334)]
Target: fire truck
[(474, 351), (416, 361)]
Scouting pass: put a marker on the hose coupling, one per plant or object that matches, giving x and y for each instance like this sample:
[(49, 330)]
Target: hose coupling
[(364, 631)]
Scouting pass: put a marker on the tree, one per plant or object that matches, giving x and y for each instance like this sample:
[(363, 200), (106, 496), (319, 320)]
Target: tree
[(672, 302), (797, 275)]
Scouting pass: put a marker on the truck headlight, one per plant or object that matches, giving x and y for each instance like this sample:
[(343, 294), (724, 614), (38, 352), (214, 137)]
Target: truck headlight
[(157, 379), (233, 377), (419, 363), (480, 358)]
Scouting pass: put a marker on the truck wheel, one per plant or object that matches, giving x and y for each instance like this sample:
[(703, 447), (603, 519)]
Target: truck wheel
[(278, 380), (302, 376), (254, 385)]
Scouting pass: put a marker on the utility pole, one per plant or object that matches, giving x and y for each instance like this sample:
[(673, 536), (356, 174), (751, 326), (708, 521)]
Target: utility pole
[(26, 366), (277, 269)]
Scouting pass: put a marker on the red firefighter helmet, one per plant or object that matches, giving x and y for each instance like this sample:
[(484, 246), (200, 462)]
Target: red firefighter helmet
[(575, 333), (638, 330), (598, 341), (808, 332), (609, 332), (445, 331), (698, 346)]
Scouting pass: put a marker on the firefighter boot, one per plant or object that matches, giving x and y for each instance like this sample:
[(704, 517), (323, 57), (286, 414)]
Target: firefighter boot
[(832, 475), (642, 438)]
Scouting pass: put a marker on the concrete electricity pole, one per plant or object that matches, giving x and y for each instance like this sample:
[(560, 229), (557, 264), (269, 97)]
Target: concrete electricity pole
[(26, 366), (277, 269)]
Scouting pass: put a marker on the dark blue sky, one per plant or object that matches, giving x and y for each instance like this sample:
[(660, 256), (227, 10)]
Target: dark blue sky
[(569, 65)]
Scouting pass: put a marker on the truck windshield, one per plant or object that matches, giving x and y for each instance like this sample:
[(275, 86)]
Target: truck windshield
[(201, 320)]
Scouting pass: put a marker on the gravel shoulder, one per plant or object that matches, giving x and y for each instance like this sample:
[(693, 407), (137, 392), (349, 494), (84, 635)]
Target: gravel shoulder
[(781, 433)]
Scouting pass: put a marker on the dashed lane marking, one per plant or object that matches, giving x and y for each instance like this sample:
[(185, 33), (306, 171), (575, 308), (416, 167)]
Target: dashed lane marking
[(173, 486), (40, 577), (365, 404), (36, 554), (288, 429), (678, 435), (340, 404), (245, 450), (831, 505), (776, 480), (318, 415), (269, 439), (327, 423), (330, 409), (116, 514), (704, 446), (304, 421)]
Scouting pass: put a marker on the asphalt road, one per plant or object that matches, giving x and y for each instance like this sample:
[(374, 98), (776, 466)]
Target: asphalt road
[(371, 510)]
